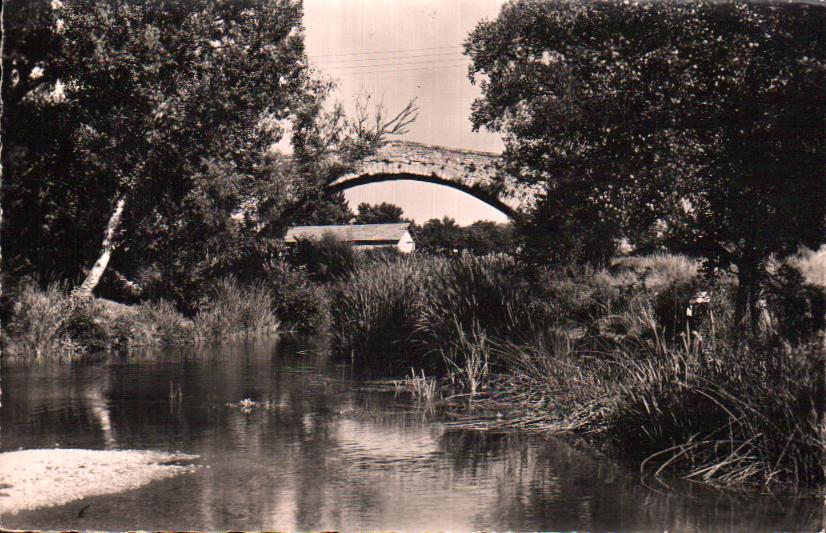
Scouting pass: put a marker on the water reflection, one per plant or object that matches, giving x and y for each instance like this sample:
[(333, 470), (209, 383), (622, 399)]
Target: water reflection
[(329, 454)]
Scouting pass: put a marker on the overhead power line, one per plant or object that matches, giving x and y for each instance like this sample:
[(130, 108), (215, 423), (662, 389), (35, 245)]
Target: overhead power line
[(385, 51), (393, 71), (395, 64), (336, 61)]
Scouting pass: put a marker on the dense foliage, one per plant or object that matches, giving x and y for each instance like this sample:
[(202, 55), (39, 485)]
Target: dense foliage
[(609, 353), (144, 134), (169, 107), (696, 125), (44, 205), (445, 237), (383, 213)]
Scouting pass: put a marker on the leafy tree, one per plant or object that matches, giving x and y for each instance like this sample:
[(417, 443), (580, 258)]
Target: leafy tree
[(179, 100), (446, 237), (439, 237), (151, 123), (484, 237), (703, 119), (383, 213), (44, 206), (328, 210)]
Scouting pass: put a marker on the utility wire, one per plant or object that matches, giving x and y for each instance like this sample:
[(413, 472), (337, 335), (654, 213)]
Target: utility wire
[(392, 71), (335, 61), (386, 51), (396, 64)]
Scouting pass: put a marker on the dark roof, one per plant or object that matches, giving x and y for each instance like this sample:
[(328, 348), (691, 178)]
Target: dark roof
[(352, 233)]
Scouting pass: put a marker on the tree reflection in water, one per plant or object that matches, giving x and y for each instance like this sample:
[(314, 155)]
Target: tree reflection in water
[(330, 454)]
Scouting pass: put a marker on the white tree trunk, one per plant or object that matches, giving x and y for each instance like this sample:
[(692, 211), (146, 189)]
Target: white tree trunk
[(94, 275)]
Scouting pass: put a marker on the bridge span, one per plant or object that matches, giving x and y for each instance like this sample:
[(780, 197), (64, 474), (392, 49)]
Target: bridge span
[(472, 172)]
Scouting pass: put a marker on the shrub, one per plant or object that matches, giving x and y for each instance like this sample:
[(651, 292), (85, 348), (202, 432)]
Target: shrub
[(84, 324), (580, 298), (798, 307), (607, 302), (325, 259), (300, 304), (35, 326), (233, 309), (659, 271), (374, 311)]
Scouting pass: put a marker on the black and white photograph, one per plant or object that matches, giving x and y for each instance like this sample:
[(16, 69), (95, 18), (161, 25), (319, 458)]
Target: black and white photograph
[(413, 265)]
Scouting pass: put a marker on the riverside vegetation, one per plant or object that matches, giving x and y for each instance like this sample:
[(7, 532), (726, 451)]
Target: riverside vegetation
[(611, 354), (715, 373), (645, 355), (51, 323)]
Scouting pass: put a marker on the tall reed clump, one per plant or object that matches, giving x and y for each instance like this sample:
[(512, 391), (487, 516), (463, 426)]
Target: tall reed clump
[(158, 324), (235, 309), (437, 313), (703, 407), (732, 416), (374, 311), (35, 326), (469, 301)]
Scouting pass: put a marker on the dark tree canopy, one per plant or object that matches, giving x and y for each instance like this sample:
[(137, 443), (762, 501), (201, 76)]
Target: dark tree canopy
[(167, 107), (44, 205), (445, 237), (701, 122), (332, 209), (153, 124), (383, 213)]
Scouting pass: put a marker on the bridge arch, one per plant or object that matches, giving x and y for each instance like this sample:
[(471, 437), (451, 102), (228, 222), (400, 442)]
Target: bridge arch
[(366, 179), (472, 172)]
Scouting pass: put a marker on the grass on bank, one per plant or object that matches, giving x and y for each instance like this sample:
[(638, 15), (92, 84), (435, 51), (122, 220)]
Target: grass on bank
[(49, 323), (611, 354), (727, 415)]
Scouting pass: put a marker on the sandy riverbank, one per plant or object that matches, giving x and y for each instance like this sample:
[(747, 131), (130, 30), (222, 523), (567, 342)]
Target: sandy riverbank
[(37, 478)]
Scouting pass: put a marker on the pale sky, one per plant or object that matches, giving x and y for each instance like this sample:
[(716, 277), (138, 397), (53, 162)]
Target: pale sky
[(397, 50)]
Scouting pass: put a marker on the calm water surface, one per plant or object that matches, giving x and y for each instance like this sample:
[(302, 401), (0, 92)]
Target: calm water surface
[(331, 453)]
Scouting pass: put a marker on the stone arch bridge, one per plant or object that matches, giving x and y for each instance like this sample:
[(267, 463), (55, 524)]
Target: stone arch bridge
[(474, 173)]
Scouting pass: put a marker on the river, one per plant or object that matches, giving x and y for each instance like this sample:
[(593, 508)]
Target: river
[(330, 452)]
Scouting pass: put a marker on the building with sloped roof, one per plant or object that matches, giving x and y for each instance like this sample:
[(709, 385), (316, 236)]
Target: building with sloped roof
[(360, 236)]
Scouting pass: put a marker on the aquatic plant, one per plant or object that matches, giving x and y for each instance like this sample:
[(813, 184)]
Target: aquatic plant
[(37, 315), (235, 309), (421, 387), (375, 310), (705, 408)]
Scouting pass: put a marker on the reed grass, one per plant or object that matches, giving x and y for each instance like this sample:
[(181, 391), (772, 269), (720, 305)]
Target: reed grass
[(421, 387), (35, 326), (50, 323), (483, 297), (374, 312), (610, 354), (732, 415), (234, 310), (158, 324)]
